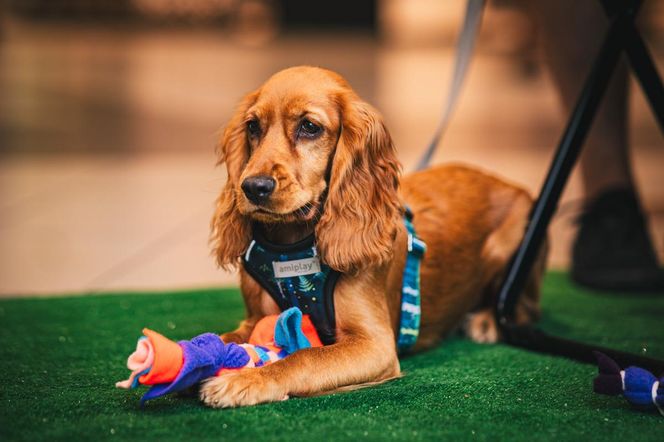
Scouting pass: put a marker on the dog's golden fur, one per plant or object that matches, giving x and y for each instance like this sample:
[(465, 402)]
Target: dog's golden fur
[(343, 184)]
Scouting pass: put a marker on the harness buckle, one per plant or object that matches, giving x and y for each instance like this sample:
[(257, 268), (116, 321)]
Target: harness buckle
[(415, 245)]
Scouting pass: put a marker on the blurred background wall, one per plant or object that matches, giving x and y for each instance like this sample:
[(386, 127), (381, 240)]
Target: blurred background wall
[(110, 110)]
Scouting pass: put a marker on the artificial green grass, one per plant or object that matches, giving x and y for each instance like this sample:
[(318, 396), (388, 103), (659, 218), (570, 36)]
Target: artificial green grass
[(60, 358)]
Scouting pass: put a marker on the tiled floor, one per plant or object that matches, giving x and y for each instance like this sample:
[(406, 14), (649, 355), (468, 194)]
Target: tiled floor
[(108, 179)]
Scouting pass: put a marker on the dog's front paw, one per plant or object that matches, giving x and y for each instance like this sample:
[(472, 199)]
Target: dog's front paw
[(239, 388)]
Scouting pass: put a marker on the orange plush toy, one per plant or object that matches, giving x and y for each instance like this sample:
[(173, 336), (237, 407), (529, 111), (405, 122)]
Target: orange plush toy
[(168, 366)]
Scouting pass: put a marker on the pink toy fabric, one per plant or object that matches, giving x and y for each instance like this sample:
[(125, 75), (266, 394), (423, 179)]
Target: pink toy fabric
[(139, 362)]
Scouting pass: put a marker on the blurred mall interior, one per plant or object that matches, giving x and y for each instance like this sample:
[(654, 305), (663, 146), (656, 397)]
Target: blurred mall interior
[(110, 110)]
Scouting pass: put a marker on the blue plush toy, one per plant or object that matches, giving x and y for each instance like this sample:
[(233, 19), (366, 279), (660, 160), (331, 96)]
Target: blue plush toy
[(640, 387)]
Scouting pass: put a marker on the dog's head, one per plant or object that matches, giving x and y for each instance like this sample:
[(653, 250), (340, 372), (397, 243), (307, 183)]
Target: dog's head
[(304, 148)]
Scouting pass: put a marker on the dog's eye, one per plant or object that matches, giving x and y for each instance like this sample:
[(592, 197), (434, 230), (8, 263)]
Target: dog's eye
[(309, 129), (254, 128)]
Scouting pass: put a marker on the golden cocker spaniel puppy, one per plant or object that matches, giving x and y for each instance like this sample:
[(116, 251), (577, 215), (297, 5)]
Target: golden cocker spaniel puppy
[(305, 155)]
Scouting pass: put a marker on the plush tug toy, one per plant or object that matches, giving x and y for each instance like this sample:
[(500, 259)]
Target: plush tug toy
[(169, 367), (640, 387)]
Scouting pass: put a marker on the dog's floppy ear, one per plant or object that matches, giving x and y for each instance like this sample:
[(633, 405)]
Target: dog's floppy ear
[(230, 230), (358, 224)]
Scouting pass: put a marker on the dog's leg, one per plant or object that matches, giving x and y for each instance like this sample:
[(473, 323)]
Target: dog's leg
[(241, 334), (481, 326), (365, 352), (257, 303)]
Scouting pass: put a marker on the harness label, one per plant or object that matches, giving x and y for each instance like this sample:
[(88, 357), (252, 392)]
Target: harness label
[(298, 267)]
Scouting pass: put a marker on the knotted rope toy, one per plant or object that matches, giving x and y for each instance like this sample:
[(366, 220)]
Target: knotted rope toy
[(641, 388)]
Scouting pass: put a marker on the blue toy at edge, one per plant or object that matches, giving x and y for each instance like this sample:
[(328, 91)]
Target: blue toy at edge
[(640, 387)]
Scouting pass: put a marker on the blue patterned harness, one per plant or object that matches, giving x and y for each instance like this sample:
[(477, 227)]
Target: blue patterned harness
[(294, 276), (409, 325)]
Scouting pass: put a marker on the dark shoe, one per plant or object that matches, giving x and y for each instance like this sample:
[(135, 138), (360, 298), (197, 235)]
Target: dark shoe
[(612, 250)]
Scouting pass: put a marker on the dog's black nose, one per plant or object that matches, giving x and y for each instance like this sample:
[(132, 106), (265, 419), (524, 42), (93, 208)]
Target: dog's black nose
[(258, 188)]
